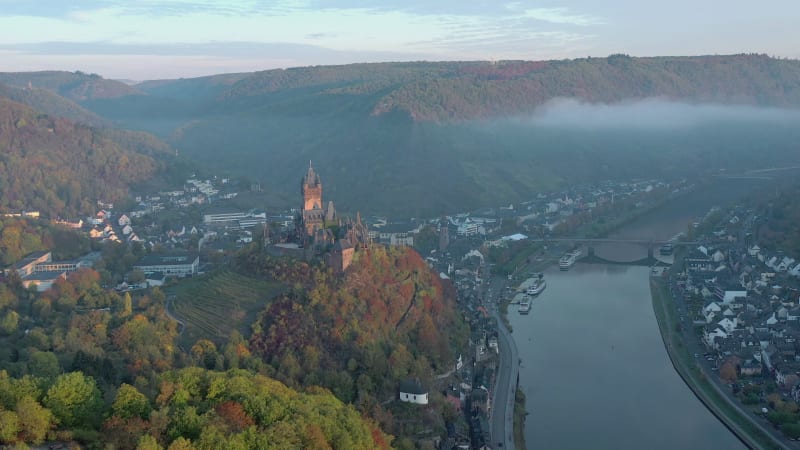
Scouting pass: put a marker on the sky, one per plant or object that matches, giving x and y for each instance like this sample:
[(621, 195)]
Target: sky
[(153, 39)]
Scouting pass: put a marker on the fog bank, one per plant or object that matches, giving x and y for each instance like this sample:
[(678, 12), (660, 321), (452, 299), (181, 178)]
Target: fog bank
[(653, 114)]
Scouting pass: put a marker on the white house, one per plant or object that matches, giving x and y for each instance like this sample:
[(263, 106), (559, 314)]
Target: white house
[(411, 391), (772, 319), (710, 336), (728, 324), (785, 264), (710, 311), (772, 262)]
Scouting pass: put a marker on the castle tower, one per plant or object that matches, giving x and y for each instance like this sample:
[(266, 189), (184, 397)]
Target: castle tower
[(313, 214), (312, 190)]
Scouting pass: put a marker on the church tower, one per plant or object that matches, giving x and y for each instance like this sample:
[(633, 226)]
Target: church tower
[(313, 214)]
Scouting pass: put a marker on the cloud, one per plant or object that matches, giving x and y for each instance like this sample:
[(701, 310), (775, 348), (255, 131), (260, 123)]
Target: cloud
[(392, 29), (561, 16)]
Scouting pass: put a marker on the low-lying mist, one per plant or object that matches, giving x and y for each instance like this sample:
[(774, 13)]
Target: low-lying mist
[(654, 113)]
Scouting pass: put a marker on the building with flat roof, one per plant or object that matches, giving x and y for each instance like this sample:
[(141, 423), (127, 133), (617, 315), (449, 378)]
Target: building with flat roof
[(171, 265), (43, 280), (27, 265)]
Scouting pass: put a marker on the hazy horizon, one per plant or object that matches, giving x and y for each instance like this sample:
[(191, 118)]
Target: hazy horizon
[(188, 38)]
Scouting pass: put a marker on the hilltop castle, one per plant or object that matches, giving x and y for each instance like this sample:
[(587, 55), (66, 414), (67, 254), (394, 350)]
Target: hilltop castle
[(322, 231)]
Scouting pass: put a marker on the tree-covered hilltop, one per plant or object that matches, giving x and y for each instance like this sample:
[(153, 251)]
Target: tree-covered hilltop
[(52, 104), (389, 318), (76, 86), (458, 91), (61, 168)]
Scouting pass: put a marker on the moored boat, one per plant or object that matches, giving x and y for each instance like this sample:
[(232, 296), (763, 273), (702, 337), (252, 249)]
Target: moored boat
[(525, 305), (537, 287), (568, 260)]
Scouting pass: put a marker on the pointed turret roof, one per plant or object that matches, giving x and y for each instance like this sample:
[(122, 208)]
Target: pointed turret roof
[(311, 179)]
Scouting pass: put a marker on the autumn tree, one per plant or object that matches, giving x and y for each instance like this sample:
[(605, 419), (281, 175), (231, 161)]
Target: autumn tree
[(727, 372)]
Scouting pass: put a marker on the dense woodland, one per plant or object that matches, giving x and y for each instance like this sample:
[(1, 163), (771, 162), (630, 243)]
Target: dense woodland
[(52, 104), (61, 168)]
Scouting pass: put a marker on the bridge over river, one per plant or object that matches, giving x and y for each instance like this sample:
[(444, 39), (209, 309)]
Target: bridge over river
[(592, 258)]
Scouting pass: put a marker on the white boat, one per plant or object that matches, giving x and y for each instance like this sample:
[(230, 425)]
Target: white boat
[(537, 287), (567, 261), (525, 305)]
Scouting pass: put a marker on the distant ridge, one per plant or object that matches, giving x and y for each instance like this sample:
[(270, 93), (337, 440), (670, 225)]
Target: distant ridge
[(414, 138), (455, 91), (77, 86), (50, 103)]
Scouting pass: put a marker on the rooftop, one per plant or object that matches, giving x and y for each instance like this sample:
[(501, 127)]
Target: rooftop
[(167, 259)]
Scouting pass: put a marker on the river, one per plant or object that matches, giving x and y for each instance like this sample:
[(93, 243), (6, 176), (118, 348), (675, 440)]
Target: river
[(594, 369)]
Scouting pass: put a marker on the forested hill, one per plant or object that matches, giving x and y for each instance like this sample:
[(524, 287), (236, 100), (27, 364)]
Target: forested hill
[(455, 91), (76, 86), (61, 168), (389, 318), (50, 103)]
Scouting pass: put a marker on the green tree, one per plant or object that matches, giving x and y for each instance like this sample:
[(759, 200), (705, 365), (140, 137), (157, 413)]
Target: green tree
[(181, 444), (34, 420), (9, 322), (7, 297), (148, 442), (129, 402), (75, 400), (44, 364), (9, 427)]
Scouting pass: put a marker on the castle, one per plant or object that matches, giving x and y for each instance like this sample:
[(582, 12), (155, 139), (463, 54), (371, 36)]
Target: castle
[(320, 230)]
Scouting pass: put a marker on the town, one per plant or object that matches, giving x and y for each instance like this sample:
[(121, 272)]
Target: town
[(191, 231)]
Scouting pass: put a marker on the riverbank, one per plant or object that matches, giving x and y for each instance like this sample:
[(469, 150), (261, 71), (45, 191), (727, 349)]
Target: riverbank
[(519, 419), (740, 424)]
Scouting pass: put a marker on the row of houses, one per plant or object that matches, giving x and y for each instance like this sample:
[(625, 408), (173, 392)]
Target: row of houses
[(750, 312)]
